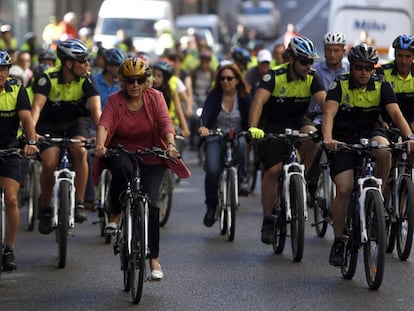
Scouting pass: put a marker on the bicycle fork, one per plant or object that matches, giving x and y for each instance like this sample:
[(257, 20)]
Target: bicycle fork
[(286, 187), (63, 175), (362, 199)]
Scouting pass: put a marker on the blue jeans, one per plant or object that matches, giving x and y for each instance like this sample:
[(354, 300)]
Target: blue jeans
[(214, 157)]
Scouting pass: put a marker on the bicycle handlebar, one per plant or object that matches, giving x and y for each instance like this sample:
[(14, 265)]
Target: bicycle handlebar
[(114, 151), (62, 141)]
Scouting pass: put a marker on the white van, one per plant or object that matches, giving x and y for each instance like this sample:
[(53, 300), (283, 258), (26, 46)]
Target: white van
[(137, 18), (382, 20)]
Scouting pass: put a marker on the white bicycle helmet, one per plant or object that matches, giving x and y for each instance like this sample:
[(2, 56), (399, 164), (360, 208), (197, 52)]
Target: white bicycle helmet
[(334, 37)]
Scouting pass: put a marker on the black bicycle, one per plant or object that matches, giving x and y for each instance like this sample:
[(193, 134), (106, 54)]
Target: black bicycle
[(365, 223), (399, 205), (132, 235)]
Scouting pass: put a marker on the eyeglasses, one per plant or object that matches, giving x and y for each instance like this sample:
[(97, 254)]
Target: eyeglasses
[(305, 62), (228, 79), (140, 80), (362, 67)]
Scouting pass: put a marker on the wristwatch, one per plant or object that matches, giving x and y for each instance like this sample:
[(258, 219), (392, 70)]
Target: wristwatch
[(31, 142), (409, 137)]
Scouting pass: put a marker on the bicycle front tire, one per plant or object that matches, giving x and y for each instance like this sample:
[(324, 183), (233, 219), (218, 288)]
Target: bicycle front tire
[(349, 267), (374, 248), (405, 224), (320, 210), (231, 205), (2, 227), (125, 267), (297, 224), (63, 222), (33, 196), (138, 251)]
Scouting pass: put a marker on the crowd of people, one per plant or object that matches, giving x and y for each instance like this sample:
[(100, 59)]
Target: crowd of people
[(124, 97)]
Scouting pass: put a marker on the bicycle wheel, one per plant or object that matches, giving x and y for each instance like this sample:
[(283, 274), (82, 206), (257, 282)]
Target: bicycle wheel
[(138, 251), (252, 167), (297, 224), (63, 222), (124, 251), (374, 248), (280, 234), (106, 208), (405, 224), (33, 199), (348, 269), (231, 205), (221, 209), (2, 227), (322, 195), (165, 197), (390, 226)]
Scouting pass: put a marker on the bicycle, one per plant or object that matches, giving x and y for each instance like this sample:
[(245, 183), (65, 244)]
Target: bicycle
[(131, 238), (290, 206), (4, 153), (168, 183), (399, 205), (30, 193), (103, 203), (365, 223), (228, 190), (325, 192), (63, 195)]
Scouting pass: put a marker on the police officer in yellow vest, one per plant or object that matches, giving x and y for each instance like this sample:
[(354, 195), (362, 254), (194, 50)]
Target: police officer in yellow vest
[(65, 98), (400, 74), (282, 99), (351, 112), (14, 108)]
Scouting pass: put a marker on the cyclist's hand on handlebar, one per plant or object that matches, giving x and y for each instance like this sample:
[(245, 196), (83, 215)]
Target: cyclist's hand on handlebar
[(256, 132), (331, 144), (172, 151), (100, 151), (203, 131), (410, 145)]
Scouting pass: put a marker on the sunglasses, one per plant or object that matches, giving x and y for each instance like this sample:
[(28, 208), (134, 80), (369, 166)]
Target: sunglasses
[(305, 62), (228, 79), (140, 80), (82, 61), (362, 67)]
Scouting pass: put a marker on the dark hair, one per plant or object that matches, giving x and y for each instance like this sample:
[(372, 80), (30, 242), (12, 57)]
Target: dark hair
[(164, 88), (242, 87)]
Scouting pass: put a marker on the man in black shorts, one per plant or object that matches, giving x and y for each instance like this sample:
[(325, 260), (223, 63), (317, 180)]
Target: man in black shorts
[(286, 92), (65, 98)]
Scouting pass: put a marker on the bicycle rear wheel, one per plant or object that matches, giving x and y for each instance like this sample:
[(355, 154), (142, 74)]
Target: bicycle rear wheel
[(33, 199), (63, 222), (165, 197), (322, 195), (405, 224), (221, 209), (2, 227), (390, 226), (138, 251), (374, 248), (231, 205), (297, 224)]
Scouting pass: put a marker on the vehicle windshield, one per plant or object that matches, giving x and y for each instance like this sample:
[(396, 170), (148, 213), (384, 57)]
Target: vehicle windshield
[(255, 10), (133, 27)]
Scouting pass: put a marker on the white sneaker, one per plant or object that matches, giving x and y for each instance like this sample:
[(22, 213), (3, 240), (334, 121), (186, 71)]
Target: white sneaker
[(156, 273)]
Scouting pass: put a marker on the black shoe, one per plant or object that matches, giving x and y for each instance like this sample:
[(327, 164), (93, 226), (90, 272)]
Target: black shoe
[(268, 230), (244, 189), (9, 261), (81, 214), (45, 220), (336, 258), (210, 217)]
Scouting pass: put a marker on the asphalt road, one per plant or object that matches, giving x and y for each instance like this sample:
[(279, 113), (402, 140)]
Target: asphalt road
[(203, 271)]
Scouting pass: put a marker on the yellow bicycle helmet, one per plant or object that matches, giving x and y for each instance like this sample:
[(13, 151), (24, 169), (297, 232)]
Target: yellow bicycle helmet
[(134, 67)]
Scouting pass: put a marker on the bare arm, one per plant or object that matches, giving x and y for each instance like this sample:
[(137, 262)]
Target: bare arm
[(398, 119), (94, 106), (329, 108), (101, 135), (180, 115), (319, 98), (259, 100), (39, 102)]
